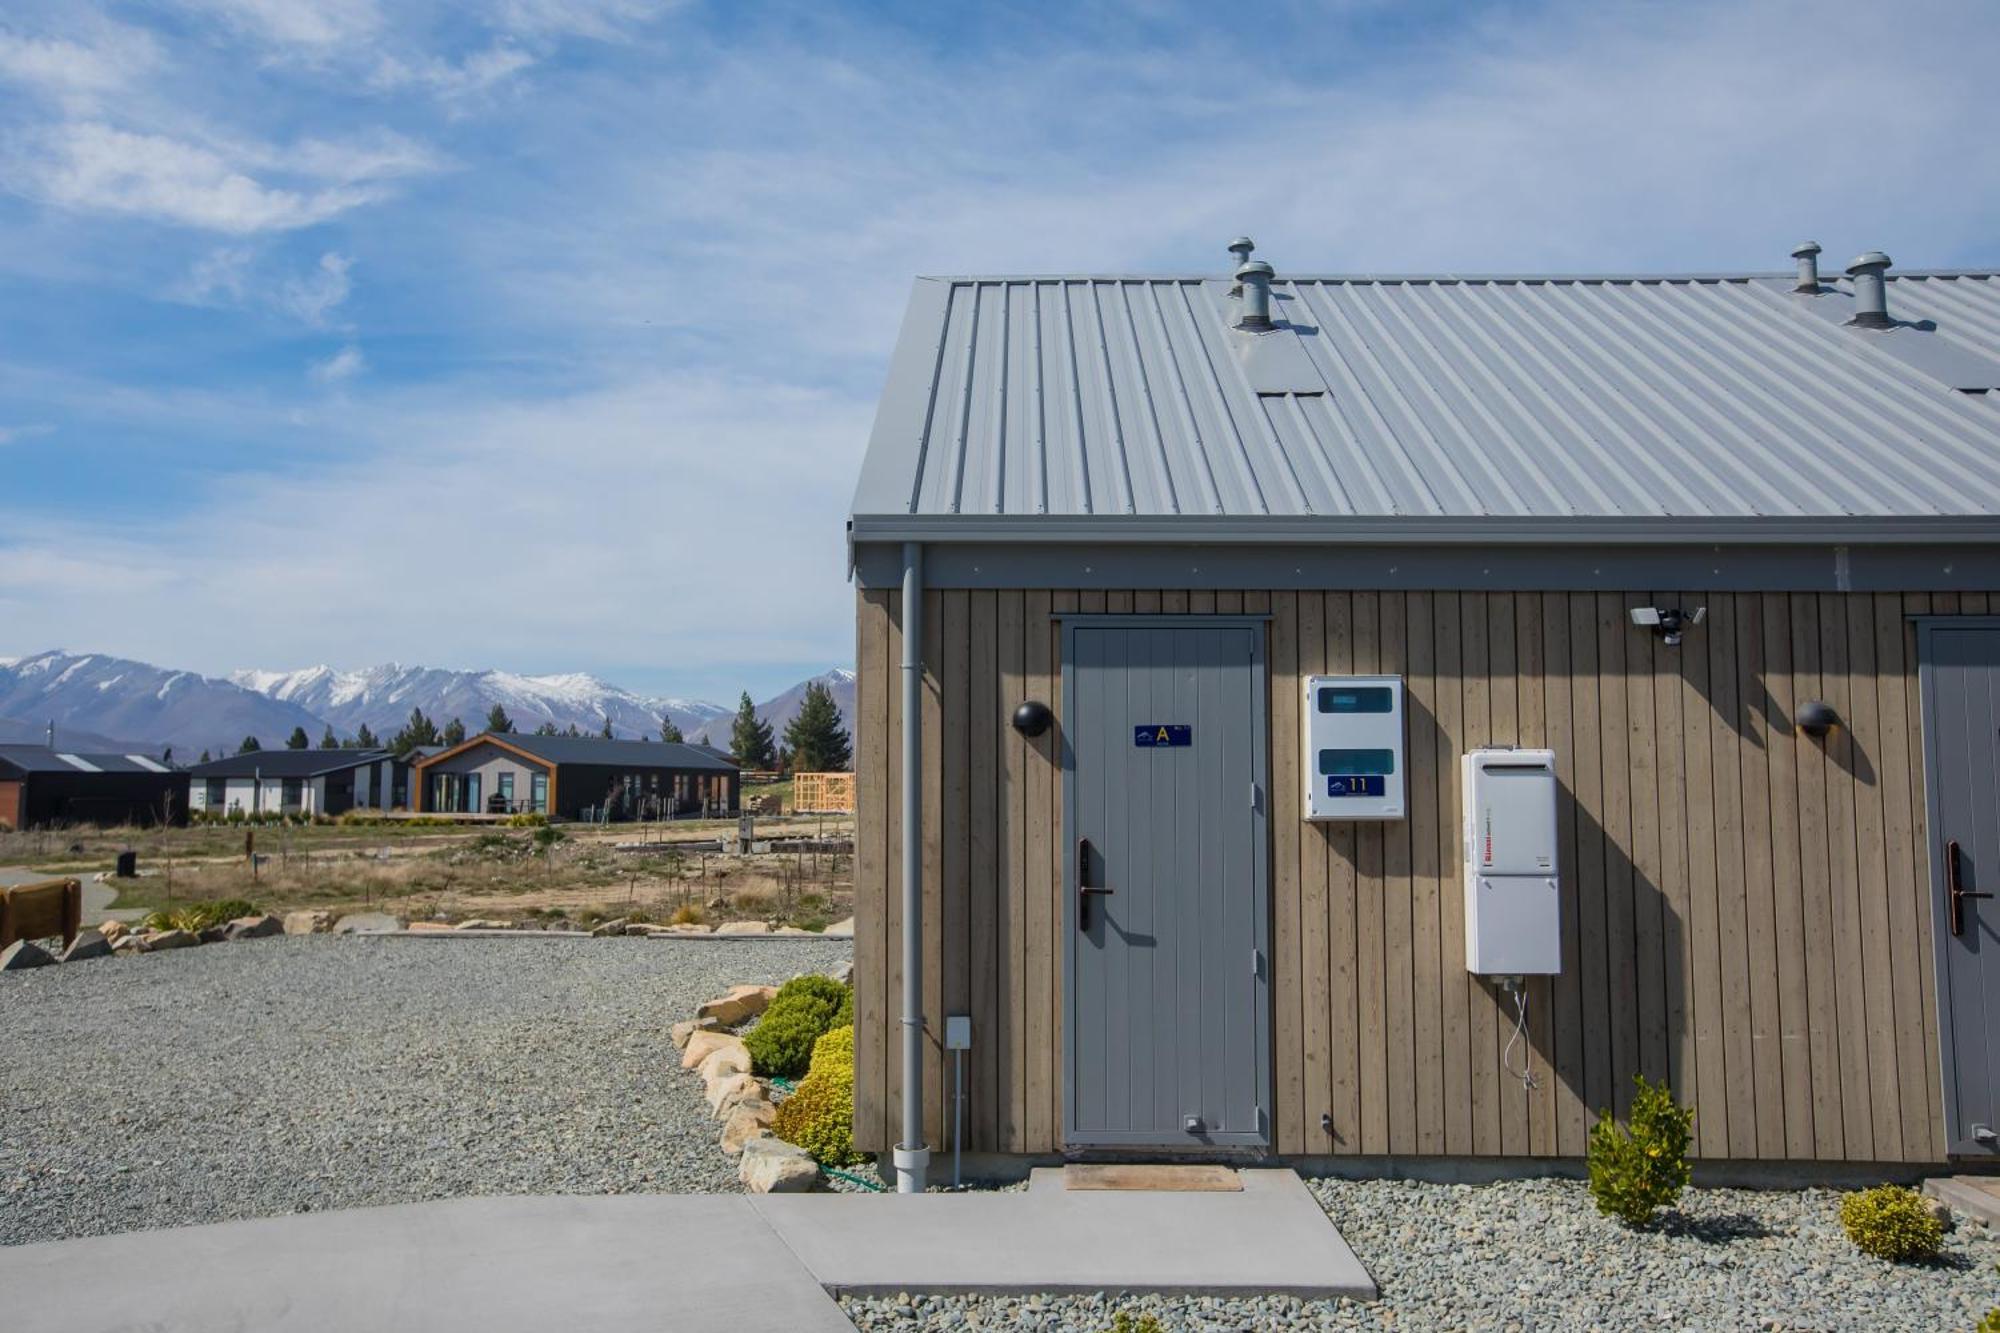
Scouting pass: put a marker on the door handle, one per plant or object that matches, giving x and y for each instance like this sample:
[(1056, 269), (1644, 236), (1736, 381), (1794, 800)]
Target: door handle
[(1084, 888), (1955, 890)]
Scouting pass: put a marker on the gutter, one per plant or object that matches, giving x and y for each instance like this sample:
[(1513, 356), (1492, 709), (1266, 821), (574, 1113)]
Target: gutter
[(912, 1155)]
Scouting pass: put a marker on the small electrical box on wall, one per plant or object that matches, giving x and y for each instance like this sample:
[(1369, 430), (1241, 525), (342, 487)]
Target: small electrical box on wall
[(1353, 761), (1513, 920)]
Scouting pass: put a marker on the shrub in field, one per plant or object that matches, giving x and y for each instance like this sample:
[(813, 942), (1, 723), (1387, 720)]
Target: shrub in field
[(1634, 1172), (1891, 1222), (819, 1117), (687, 914), (527, 821), (196, 917), (1127, 1322), (1989, 1322), (803, 1010)]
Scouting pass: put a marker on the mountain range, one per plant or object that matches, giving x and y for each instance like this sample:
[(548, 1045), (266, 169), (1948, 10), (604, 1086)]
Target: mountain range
[(90, 697)]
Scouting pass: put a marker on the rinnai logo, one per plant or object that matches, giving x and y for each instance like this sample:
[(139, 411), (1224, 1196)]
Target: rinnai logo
[(1487, 855)]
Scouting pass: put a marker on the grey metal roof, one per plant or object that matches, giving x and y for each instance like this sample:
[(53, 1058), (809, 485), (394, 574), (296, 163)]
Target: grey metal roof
[(615, 753), (17, 759), (286, 763), (1614, 408)]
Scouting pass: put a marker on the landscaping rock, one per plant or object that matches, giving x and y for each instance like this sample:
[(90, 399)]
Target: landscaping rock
[(87, 944), (725, 1092), (214, 934), (254, 927), (750, 1119), (429, 928), (367, 923), (844, 974), (723, 1063), (1941, 1210), (681, 1032), (840, 930), (169, 939), (484, 923), (703, 1044), (688, 928), (308, 922), (129, 942), (614, 927), (22, 955), (773, 1166), (744, 928), (112, 930), (740, 1005)]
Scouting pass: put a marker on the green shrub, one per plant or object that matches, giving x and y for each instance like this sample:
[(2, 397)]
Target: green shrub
[(803, 1010), (196, 917), (1127, 1322), (1989, 1322), (1891, 1222), (1633, 1173), (527, 821), (819, 1116)]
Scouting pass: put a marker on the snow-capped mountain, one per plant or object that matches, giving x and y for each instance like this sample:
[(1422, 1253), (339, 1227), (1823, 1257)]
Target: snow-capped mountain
[(782, 709), (156, 707), (152, 706), (382, 697)]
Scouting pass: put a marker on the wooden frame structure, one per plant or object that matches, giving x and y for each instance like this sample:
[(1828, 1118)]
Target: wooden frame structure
[(822, 793)]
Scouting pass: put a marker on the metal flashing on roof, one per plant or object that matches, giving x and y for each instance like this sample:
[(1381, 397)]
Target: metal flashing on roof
[(1606, 408)]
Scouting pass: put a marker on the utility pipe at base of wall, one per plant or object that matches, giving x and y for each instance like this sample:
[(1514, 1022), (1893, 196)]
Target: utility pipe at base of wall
[(912, 1156)]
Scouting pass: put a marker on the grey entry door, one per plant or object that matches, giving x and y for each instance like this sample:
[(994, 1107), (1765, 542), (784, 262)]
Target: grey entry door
[(1168, 1012), (1960, 666)]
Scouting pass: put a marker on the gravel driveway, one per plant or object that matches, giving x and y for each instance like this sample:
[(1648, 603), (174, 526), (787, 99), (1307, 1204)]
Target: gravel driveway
[(1535, 1254), (311, 1072)]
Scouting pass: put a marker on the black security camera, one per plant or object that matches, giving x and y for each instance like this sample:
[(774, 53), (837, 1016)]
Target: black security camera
[(1670, 623)]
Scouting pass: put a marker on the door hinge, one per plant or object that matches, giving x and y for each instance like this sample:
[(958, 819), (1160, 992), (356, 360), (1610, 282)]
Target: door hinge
[(1256, 964)]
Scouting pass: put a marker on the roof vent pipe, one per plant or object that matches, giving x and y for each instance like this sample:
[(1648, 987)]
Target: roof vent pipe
[(1255, 276), (1871, 293), (1808, 257), (1241, 248)]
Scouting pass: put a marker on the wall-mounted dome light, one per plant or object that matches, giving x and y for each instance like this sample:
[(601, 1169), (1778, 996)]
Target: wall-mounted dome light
[(1816, 717), (1032, 718)]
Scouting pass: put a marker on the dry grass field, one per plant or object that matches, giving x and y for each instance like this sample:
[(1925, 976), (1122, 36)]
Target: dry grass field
[(575, 874)]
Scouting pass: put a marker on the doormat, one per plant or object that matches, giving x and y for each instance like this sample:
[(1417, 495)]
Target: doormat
[(1141, 1176)]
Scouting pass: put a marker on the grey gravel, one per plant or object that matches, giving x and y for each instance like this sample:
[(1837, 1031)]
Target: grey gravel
[(310, 1072), (1532, 1255)]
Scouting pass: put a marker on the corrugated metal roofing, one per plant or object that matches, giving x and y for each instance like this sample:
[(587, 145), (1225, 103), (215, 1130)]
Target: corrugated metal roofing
[(1381, 408), (286, 763), (616, 753)]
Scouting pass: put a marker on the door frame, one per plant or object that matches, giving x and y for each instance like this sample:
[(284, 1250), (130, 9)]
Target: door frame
[(1957, 1144), (1260, 704)]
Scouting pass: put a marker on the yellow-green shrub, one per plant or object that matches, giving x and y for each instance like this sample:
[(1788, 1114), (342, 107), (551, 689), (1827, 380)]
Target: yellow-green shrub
[(1632, 1173), (1891, 1222), (819, 1117)]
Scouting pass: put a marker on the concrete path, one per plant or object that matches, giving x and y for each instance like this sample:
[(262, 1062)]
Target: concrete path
[(633, 1263), (619, 1264), (1272, 1236)]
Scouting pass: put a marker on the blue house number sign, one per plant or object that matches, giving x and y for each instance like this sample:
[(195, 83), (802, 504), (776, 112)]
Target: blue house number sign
[(1154, 735)]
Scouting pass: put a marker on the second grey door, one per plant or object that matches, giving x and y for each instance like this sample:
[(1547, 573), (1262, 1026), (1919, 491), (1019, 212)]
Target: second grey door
[(1168, 1008), (1961, 677)]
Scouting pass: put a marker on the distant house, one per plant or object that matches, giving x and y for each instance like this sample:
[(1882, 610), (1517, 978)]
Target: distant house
[(311, 782), (40, 786), (576, 777)]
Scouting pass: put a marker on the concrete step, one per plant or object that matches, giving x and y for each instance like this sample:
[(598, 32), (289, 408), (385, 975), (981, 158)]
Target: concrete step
[(1975, 1196)]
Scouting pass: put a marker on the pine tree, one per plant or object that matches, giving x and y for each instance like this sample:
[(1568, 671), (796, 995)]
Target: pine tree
[(419, 730), (204, 756), (454, 733), (606, 733), (498, 722), (329, 741), (298, 740), (250, 745), (669, 731), (571, 731), (167, 756), (750, 737), (547, 729), (819, 744), (365, 739)]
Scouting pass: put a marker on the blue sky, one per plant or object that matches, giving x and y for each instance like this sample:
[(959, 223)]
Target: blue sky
[(545, 334)]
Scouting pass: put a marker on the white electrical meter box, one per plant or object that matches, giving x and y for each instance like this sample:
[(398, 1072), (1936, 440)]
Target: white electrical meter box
[(1513, 921), (1353, 762)]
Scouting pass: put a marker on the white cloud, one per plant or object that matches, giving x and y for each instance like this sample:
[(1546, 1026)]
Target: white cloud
[(304, 23), (584, 18), (95, 167), (79, 73), (314, 297), (452, 80), (15, 434), (341, 366)]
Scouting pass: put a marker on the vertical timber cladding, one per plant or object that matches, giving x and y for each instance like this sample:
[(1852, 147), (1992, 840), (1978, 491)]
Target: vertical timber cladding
[(1745, 909)]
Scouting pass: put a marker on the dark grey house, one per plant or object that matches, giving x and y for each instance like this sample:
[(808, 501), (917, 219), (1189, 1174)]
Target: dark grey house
[(42, 787), (308, 782), (575, 777)]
